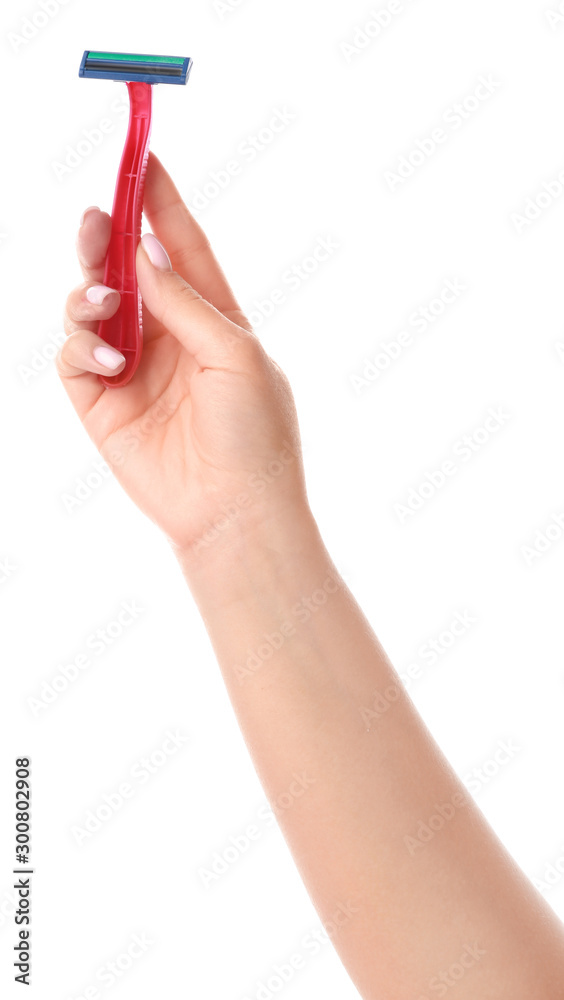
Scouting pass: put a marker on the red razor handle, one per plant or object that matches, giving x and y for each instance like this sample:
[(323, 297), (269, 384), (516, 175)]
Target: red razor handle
[(124, 330)]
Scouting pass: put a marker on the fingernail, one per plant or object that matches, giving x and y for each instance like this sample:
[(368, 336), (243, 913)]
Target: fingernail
[(93, 208), (97, 293), (156, 252), (108, 357)]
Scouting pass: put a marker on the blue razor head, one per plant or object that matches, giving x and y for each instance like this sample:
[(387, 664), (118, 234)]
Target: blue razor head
[(129, 67)]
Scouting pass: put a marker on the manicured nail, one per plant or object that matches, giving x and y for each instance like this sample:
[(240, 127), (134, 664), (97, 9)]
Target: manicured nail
[(93, 208), (156, 252), (108, 357), (97, 293)]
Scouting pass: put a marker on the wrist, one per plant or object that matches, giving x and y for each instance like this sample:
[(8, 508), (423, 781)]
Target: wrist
[(233, 564)]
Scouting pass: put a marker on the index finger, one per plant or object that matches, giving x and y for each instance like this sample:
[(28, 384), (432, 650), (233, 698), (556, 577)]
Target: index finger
[(186, 243)]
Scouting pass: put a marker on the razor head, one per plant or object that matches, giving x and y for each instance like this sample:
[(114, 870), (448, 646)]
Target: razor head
[(128, 67)]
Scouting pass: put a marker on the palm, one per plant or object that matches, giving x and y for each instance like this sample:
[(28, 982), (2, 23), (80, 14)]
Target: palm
[(180, 464)]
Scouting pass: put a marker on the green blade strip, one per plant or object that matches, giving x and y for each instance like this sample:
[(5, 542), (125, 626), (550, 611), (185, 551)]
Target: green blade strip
[(124, 57)]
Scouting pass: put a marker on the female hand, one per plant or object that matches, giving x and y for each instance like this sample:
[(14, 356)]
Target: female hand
[(208, 419)]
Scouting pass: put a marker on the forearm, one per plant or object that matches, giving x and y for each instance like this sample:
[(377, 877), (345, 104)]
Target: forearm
[(317, 698)]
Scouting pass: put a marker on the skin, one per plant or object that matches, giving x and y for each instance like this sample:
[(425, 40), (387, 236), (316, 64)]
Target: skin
[(354, 776)]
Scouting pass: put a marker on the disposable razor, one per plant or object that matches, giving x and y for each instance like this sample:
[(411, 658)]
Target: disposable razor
[(124, 330)]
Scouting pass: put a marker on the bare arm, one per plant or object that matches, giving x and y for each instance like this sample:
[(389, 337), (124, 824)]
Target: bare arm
[(391, 848), (381, 828)]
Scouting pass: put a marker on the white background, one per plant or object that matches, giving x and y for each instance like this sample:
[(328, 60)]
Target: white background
[(66, 573)]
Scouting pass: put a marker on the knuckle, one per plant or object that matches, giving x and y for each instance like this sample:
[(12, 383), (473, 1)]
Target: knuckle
[(176, 295), (69, 323), (185, 256), (249, 349), (65, 359), (72, 303), (60, 364), (238, 317)]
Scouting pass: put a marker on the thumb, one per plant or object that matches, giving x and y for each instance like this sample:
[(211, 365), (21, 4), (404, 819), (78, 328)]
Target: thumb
[(212, 339)]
